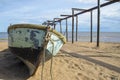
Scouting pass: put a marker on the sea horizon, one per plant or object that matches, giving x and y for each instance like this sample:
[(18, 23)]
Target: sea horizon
[(83, 36)]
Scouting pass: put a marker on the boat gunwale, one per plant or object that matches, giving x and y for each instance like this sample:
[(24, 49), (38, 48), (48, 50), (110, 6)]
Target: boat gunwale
[(39, 27)]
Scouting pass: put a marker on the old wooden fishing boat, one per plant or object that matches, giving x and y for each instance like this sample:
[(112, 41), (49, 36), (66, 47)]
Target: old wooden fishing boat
[(29, 41)]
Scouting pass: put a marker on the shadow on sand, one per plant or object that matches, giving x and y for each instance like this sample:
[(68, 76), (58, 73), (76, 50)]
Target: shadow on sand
[(11, 68), (88, 58)]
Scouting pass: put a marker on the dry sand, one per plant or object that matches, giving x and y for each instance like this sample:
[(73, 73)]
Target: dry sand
[(78, 61)]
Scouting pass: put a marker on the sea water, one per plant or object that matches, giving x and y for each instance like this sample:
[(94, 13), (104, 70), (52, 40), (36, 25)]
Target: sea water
[(104, 36), (3, 36), (84, 36)]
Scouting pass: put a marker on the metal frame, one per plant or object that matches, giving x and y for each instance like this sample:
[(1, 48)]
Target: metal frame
[(84, 11), (75, 9), (66, 27)]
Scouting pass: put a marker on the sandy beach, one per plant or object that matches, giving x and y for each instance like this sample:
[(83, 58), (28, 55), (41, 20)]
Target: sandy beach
[(78, 61)]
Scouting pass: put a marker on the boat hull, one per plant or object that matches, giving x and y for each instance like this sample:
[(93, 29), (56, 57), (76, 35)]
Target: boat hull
[(27, 43)]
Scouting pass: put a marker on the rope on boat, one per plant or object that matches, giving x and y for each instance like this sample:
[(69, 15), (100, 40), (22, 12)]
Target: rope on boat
[(43, 61), (51, 59), (47, 38)]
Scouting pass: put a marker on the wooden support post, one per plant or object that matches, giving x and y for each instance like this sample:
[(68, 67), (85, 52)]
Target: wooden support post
[(72, 26), (91, 25), (98, 23), (76, 28), (66, 30), (60, 27), (54, 26), (66, 27)]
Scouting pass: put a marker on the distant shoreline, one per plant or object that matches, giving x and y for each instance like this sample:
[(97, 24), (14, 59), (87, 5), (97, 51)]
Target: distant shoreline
[(3, 39)]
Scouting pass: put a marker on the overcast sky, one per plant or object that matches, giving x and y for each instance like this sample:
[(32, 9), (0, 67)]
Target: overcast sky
[(38, 11)]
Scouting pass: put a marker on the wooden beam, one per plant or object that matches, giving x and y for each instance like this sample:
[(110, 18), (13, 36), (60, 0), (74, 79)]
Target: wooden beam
[(78, 9), (93, 8), (98, 23), (60, 27), (76, 28), (72, 26), (66, 30), (64, 15), (91, 25)]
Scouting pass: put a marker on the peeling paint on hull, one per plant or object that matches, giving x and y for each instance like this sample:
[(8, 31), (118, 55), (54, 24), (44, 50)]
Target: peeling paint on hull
[(27, 44)]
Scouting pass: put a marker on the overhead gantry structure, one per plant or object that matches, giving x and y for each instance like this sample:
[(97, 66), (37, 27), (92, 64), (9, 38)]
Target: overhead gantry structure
[(82, 11)]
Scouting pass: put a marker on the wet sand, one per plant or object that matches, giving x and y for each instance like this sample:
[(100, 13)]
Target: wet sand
[(78, 61)]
